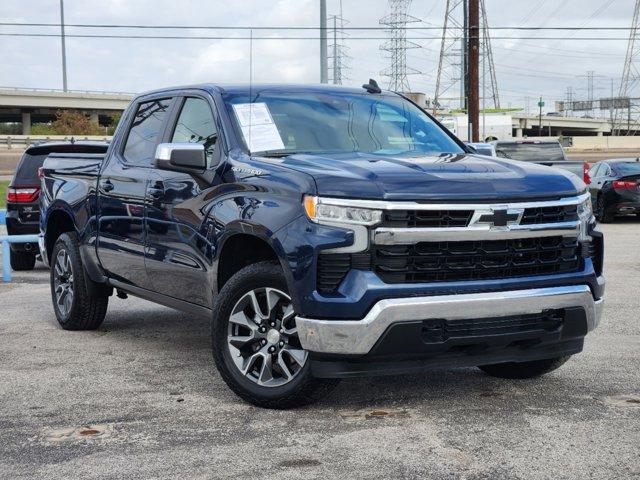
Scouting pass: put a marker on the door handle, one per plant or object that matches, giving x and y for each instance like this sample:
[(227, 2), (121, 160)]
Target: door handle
[(106, 185)]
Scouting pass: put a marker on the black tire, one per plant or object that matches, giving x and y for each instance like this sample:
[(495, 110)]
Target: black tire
[(520, 370), (302, 389), (603, 215), (88, 306), (21, 261)]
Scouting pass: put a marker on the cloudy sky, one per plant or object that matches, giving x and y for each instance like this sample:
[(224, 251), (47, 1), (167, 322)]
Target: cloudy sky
[(526, 68)]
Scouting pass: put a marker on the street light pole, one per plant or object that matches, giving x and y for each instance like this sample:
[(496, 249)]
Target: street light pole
[(324, 70), (540, 105), (64, 53)]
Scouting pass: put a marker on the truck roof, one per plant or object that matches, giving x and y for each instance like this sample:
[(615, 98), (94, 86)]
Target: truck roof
[(235, 88)]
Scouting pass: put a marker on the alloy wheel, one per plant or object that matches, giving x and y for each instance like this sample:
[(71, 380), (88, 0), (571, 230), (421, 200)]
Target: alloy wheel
[(263, 338), (63, 282)]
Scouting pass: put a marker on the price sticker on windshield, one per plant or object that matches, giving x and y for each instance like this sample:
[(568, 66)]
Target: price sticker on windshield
[(258, 128)]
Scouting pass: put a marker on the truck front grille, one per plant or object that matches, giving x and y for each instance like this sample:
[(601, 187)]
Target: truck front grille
[(462, 218), (476, 260), (536, 216), (416, 243), (454, 261), (426, 218)]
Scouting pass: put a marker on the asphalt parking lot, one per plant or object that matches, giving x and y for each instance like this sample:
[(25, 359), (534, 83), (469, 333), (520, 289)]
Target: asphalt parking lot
[(140, 398)]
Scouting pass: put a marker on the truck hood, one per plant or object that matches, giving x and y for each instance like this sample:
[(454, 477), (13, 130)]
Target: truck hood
[(447, 176)]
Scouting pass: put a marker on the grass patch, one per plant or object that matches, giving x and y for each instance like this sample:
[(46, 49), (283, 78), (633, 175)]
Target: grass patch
[(3, 193)]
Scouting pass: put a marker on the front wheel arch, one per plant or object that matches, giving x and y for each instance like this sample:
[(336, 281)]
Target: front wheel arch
[(239, 250)]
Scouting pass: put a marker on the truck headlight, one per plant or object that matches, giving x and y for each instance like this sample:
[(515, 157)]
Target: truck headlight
[(585, 210), (331, 211), (585, 214)]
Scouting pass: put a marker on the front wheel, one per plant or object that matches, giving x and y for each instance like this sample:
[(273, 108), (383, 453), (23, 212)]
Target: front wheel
[(602, 214), (255, 341), (531, 369)]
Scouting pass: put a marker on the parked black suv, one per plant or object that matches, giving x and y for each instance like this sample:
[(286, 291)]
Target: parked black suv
[(23, 210)]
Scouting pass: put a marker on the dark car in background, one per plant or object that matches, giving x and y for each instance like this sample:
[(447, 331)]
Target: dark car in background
[(615, 188), (482, 148), (543, 152), (530, 150), (23, 211)]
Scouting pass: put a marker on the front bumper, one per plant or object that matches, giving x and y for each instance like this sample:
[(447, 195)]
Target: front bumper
[(358, 337)]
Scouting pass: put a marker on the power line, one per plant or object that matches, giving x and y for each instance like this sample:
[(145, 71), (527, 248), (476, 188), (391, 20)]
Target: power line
[(244, 27), (202, 37)]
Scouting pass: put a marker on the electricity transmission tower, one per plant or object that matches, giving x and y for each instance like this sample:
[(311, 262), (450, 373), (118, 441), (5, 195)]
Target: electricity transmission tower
[(339, 56), (626, 103), (591, 104), (451, 90), (397, 45)]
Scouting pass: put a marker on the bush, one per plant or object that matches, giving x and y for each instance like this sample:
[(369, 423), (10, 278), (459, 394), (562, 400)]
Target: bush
[(42, 129), (69, 122)]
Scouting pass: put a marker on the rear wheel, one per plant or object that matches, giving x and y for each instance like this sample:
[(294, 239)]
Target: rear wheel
[(77, 307), (603, 215), (531, 369), (21, 261), (255, 341)]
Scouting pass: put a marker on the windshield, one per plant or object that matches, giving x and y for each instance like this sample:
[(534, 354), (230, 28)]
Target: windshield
[(630, 168), (336, 122), (531, 152)]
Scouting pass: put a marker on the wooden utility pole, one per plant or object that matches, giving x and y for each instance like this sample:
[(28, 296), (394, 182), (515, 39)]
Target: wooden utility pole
[(474, 69)]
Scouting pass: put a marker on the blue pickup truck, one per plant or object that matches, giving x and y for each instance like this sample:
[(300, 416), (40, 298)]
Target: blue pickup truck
[(327, 232)]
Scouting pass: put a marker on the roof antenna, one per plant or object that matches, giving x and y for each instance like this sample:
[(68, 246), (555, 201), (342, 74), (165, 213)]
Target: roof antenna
[(372, 86), (250, 85)]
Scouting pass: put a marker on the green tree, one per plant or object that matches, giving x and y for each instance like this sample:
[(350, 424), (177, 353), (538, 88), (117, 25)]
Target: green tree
[(70, 122), (113, 123)]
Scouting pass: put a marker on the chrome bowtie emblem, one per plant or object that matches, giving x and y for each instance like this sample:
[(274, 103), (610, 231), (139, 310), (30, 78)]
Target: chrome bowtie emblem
[(500, 218)]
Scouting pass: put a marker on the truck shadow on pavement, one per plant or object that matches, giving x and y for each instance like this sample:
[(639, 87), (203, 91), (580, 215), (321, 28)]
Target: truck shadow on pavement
[(167, 350)]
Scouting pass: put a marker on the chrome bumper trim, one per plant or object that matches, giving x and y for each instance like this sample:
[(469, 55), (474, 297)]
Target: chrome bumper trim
[(403, 236), (357, 337), (405, 205)]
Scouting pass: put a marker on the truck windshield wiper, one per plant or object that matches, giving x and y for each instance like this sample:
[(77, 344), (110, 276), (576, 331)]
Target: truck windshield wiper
[(278, 153)]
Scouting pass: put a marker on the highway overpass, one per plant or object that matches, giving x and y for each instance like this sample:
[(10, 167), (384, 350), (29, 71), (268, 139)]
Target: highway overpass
[(528, 125), (27, 106)]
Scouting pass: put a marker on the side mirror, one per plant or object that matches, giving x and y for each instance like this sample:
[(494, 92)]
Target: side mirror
[(181, 157)]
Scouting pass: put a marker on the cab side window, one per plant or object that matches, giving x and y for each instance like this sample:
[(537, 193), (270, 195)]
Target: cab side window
[(196, 125), (145, 132)]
